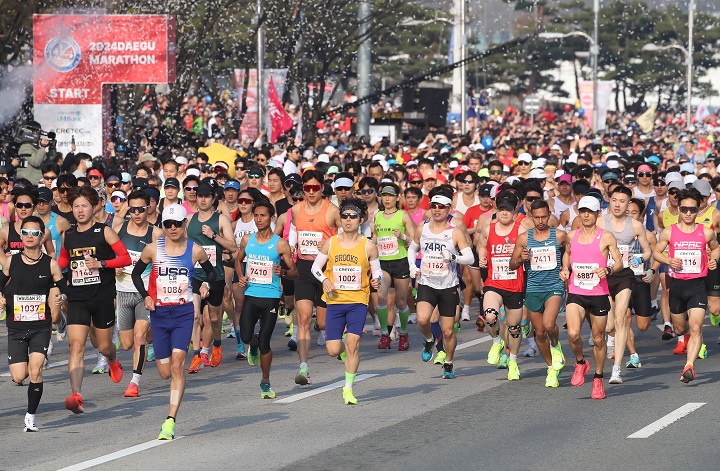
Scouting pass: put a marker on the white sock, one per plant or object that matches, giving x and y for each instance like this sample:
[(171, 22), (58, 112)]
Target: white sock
[(136, 379), (668, 324), (303, 365), (512, 357), (610, 341), (654, 303), (205, 350), (496, 339), (99, 355)]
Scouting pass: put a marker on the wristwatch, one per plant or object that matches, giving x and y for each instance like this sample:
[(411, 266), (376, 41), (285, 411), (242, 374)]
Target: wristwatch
[(214, 235), (103, 263)]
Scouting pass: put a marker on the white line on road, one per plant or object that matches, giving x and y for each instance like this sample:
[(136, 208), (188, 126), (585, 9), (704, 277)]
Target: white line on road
[(118, 454), (472, 343), (672, 417), (329, 387), (56, 364)]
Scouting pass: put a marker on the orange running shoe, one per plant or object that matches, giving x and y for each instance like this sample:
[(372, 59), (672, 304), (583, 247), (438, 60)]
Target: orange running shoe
[(688, 374), (581, 369), (132, 390), (74, 403), (216, 357), (195, 364), (598, 391), (116, 371)]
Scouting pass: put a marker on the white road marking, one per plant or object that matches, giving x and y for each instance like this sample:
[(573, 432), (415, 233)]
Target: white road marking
[(118, 454), (313, 392), (56, 364), (472, 343), (663, 422)]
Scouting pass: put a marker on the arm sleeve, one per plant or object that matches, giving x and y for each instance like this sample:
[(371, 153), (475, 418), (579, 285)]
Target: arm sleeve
[(466, 256), (412, 252), (375, 269), (209, 271), (137, 280), (317, 267), (122, 259), (292, 236), (64, 258)]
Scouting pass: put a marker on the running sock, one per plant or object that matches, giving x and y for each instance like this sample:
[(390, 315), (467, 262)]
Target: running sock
[(436, 330), (496, 339), (512, 357), (611, 341), (404, 315), (205, 350), (654, 303), (136, 378), (382, 315), (141, 361), (668, 324), (581, 362), (598, 375), (217, 343), (171, 417), (349, 379), (196, 353), (98, 354), (35, 391), (237, 336), (303, 365), (682, 338)]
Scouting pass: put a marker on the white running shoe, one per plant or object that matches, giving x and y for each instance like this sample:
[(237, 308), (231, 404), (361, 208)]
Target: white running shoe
[(102, 366), (116, 337), (377, 331), (412, 319), (465, 314), (30, 423), (321, 338), (50, 347), (61, 332), (532, 350), (394, 334), (615, 377)]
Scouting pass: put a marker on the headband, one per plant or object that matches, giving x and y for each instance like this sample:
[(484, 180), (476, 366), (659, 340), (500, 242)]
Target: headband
[(352, 207)]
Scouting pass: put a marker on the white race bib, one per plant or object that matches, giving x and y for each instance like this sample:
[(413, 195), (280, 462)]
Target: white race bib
[(211, 251), (259, 271), (173, 289), (501, 269), (29, 307), (543, 258), (347, 278), (691, 260), (309, 242), (434, 265), (624, 256), (82, 275), (584, 276), (134, 257), (388, 246)]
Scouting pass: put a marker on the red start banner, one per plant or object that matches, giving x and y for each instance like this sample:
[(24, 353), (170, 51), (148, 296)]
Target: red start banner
[(74, 55)]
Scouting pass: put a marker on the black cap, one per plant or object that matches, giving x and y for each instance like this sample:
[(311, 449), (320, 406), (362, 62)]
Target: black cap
[(172, 182), (153, 193), (256, 170), (485, 190), (205, 190), (296, 178), (45, 194), (139, 183)]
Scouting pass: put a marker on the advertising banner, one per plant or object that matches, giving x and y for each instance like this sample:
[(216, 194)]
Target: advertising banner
[(249, 127), (586, 101), (74, 55)]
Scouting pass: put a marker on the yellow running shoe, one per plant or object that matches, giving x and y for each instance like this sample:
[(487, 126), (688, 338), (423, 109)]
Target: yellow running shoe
[(703, 353), (552, 378), (348, 396), (558, 357), (494, 353), (513, 371), (440, 358), (167, 432)]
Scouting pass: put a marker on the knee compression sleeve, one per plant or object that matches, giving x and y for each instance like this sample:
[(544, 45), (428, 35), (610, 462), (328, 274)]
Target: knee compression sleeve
[(494, 313), (514, 331)]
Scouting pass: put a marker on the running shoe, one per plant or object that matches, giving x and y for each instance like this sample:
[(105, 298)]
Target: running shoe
[(377, 331), (465, 314), (581, 369), (428, 350), (456, 327), (231, 333), (634, 361), (551, 381), (30, 423), (205, 359), (282, 311), (610, 352), (132, 390), (240, 353), (702, 354), (226, 319), (150, 353), (394, 335), (440, 358), (680, 348), (404, 343), (101, 367), (216, 356), (266, 391), (61, 333), (513, 371), (348, 397), (654, 311), (480, 323), (598, 391), (714, 320), (532, 350), (74, 403), (412, 318), (384, 342), (289, 332), (525, 330), (448, 371), (303, 376), (195, 365), (615, 376), (668, 333), (503, 362), (3, 314), (321, 339), (116, 371), (253, 357), (494, 354), (292, 344), (116, 337), (167, 431), (558, 357), (688, 374)]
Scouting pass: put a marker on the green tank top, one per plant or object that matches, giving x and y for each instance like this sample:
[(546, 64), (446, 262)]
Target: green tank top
[(389, 246), (213, 249)]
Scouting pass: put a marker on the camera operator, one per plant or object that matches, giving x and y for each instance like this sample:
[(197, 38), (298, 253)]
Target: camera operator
[(31, 155)]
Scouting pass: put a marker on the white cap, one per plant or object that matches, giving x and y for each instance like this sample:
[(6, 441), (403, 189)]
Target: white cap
[(174, 212), (559, 173), (540, 163), (538, 173), (673, 177), (53, 185), (345, 182), (379, 157), (307, 154), (375, 140), (306, 165), (556, 147), (453, 164), (412, 162), (330, 150), (572, 158), (192, 171), (422, 146), (385, 165), (613, 163), (323, 158), (444, 150), (181, 160), (689, 179), (119, 193), (525, 157), (512, 179), (589, 202)]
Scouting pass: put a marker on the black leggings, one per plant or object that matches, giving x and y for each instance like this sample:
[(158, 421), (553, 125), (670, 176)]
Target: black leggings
[(254, 310)]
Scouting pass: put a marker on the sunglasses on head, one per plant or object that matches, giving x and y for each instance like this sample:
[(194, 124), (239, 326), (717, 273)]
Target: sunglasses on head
[(349, 216), (689, 209), (343, 188), (118, 199), (416, 182), (169, 224), (245, 201), (24, 205), (312, 188), (367, 191), (438, 206), (191, 188), (30, 232), (137, 209)]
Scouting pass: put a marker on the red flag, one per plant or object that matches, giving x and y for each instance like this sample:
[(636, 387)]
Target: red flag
[(280, 121)]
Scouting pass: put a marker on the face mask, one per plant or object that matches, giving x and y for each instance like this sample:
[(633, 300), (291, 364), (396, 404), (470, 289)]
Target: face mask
[(89, 163)]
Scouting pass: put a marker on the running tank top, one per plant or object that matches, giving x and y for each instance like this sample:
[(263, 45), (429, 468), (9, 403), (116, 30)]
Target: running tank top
[(690, 248), (135, 245), (56, 236), (212, 248), (668, 218), (27, 292), (460, 206), (259, 261), (171, 275), (584, 260), (706, 217), (573, 214), (624, 239), (187, 207), (15, 244), (348, 270), (545, 261), (500, 249), (4, 210), (560, 206), (85, 284), (312, 230), (242, 228), (417, 217), (435, 272), (389, 246)]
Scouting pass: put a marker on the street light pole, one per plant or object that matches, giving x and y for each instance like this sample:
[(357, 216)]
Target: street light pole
[(260, 66), (595, 51), (463, 70), (689, 60), (363, 70)]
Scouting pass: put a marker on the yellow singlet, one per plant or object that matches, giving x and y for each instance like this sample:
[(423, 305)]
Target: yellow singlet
[(348, 270)]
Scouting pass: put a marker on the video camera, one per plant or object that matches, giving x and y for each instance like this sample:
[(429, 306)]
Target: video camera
[(32, 133)]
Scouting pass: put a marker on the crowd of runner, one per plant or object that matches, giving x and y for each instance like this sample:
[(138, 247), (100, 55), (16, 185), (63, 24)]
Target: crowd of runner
[(172, 259)]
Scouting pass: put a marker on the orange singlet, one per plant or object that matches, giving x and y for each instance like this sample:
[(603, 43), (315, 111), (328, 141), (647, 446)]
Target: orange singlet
[(312, 231)]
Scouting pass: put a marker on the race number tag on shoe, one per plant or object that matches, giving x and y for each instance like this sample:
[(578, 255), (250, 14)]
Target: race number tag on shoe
[(28, 308), (388, 246), (347, 278), (82, 275), (259, 271), (584, 276), (543, 259)]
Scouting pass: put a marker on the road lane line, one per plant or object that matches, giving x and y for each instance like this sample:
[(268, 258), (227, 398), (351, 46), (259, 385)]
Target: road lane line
[(313, 392), (472, 343), (663, 422), (118, 454), (56, 364)]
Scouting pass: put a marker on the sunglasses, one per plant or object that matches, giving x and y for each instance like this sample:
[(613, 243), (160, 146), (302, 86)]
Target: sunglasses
[(438, 206), (30, 232), (113, 185), (169, 224), (118, 199), (523, 163), (297, 198), (343, 188), (254, 175), (467, 182), (349, 216), (416, 182), (689, 209), (24, 205), (530, 199), (49, 177), (645, 174), (674, 192), (367, 191), (245, 201), (191, 188), (496, 172), (312, 188), (660, 184), (241, 169), (64, 189), (93, 177), (137, 209), (717, 189)]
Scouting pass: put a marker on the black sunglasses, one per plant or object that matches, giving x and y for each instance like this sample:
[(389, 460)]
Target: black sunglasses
[(349, 216), (169, 224), (368, 191)]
